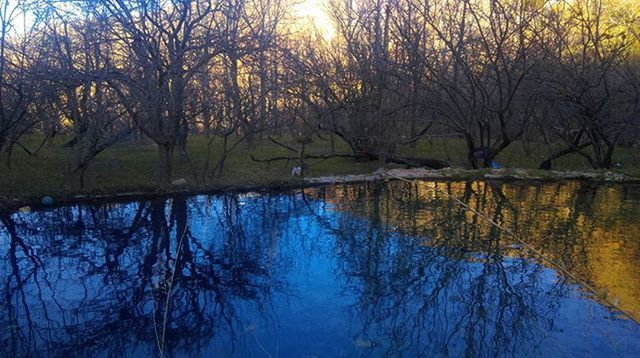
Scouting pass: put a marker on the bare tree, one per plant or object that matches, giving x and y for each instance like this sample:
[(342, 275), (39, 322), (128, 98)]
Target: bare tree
[(163, 43), (587, 98), (492, 72), (81, 88), (483, 56), (17, 46)]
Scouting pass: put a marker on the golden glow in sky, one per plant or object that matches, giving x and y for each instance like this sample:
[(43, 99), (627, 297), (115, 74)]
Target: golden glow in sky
[(313, 16)]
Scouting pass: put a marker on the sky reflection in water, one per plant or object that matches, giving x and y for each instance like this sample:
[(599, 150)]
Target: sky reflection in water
[(359, 270)]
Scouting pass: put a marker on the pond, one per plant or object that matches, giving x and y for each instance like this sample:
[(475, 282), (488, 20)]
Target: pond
[(377, 269)]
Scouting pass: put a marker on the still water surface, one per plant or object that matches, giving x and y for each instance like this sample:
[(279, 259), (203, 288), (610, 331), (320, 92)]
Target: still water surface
[(391, 269)]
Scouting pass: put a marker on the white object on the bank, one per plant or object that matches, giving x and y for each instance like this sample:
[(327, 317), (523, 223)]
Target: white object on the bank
[(296, 172)]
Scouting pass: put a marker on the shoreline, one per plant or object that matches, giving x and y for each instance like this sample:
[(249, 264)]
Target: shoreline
[(9, 205)]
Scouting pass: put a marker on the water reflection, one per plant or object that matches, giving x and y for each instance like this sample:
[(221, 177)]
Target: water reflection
[(374, 269), (593, 231)]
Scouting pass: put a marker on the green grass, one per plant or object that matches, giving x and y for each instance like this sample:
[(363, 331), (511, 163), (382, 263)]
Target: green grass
[(132, 167), (515, 156)]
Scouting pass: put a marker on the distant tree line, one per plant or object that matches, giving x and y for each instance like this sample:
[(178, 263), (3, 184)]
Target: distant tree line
[(490, 72)]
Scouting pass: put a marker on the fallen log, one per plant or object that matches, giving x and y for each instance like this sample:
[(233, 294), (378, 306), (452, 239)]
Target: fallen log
[(410, 162), (419, 162), (309, 156)]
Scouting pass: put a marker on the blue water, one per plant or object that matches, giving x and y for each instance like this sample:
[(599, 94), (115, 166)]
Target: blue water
[(292, 275)]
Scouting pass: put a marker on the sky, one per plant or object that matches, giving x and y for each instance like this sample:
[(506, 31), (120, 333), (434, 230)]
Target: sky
[(315, 13), (312, 14)]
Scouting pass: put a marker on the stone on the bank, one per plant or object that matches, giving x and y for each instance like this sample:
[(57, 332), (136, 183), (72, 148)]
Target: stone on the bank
[(380, 172), (46, 201), (617, 177)]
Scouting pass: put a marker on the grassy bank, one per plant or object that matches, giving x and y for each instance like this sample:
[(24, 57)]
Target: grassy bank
[(131, 167)]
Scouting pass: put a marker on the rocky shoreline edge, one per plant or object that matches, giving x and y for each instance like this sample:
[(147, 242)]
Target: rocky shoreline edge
[(12, 204)]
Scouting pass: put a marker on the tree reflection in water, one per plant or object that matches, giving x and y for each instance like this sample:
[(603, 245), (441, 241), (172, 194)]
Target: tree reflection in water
[(370, 269)]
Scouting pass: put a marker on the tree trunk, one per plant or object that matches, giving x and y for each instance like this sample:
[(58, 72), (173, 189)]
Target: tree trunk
[(83, 170), (547, 163), (2, 142), (218, 170), (236, 100), (607, 159), (9, 153), (471, 152), (332, 141), (165, 164)]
